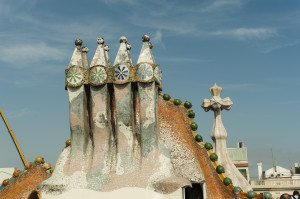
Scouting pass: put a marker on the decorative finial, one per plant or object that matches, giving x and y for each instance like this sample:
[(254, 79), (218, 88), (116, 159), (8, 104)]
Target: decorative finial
[(78, 42), (68, 142), (123, 55), (5, 182), (47, 165), (150, 45), (85, 49), (100, 40), (16, 173), (215, 90), (146, 52), (145, 38), (123, 39), (128, 46), (106, 48), (99, 56)]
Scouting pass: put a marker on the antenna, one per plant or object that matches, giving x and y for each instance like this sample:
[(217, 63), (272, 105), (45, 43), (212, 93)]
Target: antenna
[(273, 161), (13, 138)]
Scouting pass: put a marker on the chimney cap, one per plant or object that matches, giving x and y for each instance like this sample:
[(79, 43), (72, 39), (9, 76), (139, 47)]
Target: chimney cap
[(145, 38), (123, 39), (100, 40), (78, 42)]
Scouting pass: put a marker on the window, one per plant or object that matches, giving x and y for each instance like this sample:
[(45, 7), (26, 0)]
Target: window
[(243, 172), (194, 192), (33, 195)]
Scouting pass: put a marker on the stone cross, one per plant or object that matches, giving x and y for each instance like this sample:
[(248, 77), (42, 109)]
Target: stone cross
[(217, 104), (219, 136)]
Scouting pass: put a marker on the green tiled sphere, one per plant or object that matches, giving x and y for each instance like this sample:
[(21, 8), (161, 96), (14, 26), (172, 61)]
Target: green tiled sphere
[(187, 104), (177, 102), (227, 181), (191, 114), (198, 138), (166, 97), (267, 195), (251, 194), (33, 164), (213, 157), (68, 142), (194, 126), (5, 182), (22, 171), (11, 179), (16, 173), (208, 146), (220, 169), (239, 189)]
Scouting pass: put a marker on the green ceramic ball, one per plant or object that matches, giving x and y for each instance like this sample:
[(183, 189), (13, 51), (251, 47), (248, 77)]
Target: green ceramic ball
[(220, 169), (22, 171), (177, 102), (187, 104), (166, 97), (28, 165), (33, 164), (198, 138), (213, 157), (68, 142), (208, 146), (267, 195), (38, 160), (11, 179), (251, 194), (239, 189), (227, 181), (5, 182), (16, 173), (194, 126), (191, 114)]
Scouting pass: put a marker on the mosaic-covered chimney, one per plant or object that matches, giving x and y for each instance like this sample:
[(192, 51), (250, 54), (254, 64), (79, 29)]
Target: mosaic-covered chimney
[(127, 136)]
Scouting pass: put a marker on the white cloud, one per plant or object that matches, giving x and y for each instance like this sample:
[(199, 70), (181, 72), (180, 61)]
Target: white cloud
[(173, 25), (221, 4), (157, 37), (279, 46), (247, 33), (119, 1), (182, 59), (20, 55), (21, 113)]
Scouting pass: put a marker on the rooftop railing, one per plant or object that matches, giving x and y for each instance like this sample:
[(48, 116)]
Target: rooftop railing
[(274, 183)]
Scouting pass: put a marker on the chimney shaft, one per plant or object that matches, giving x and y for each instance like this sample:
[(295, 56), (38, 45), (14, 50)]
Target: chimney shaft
[(240, 145), (259, 169)]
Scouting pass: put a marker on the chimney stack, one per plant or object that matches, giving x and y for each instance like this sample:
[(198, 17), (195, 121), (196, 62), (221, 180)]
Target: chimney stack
[(240, 145), (259, 169)]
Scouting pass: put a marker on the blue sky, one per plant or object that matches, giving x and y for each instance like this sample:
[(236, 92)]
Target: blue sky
[(250, 48)]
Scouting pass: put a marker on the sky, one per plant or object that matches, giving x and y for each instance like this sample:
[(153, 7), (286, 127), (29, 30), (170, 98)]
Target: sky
[(248, 47)]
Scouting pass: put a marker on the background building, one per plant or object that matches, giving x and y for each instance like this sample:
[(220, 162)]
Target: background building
[(239, 158), (277, 180)]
